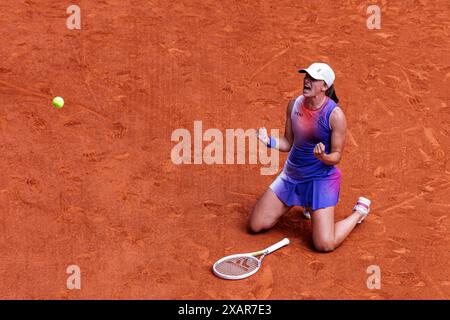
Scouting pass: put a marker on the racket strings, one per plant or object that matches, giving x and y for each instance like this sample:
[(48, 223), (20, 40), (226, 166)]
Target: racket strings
[(237, 266)]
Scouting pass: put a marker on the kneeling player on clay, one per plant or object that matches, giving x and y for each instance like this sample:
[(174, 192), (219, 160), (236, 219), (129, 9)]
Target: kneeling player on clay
[(314, 137)]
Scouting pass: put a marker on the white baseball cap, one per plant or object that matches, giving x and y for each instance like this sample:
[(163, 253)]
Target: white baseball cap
[(320, 71)]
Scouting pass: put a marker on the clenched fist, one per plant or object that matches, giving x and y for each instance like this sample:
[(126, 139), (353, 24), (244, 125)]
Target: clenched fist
[(319, 151)]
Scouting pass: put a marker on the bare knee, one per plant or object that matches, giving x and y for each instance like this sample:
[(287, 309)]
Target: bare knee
[(254, 228), (325, 245), (259, 221), (259, 225), (268, 209)]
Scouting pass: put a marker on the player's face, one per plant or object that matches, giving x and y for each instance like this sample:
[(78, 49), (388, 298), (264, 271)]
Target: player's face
[(312, 87)]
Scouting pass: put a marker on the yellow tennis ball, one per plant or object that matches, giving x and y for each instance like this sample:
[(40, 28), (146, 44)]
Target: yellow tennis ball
[(58, 102)]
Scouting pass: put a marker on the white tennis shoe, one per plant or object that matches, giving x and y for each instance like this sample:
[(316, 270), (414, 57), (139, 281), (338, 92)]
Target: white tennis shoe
[(306, 214), (363, 207)]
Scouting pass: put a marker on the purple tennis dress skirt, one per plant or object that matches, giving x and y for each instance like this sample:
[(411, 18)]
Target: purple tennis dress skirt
[(316, 193)]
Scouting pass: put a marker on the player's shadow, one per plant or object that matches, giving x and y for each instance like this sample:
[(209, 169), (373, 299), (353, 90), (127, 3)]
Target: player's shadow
[(293, 225)]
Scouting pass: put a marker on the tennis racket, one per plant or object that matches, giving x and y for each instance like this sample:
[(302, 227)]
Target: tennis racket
[(240, 266)]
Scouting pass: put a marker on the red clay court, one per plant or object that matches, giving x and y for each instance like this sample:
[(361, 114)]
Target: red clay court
[(93, 184)]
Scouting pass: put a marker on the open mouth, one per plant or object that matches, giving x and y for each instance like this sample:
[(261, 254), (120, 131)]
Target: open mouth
[(306, 87)]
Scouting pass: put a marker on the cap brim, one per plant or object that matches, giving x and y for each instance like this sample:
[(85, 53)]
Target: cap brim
[(312, 74)]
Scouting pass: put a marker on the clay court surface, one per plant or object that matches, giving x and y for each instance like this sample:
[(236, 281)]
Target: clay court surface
[(93, 184)]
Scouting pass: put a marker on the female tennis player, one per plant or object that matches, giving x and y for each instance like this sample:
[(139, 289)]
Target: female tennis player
[(314, 136)]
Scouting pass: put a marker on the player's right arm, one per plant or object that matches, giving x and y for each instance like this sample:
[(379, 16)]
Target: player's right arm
[(283, 144)]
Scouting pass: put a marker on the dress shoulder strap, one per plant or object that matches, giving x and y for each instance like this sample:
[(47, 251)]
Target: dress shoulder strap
[(297, 104)]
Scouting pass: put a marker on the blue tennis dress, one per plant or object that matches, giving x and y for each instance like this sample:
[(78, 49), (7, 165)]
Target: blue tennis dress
[(305, 180)]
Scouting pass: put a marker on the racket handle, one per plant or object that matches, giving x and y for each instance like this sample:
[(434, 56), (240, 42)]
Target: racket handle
[(277, 245)]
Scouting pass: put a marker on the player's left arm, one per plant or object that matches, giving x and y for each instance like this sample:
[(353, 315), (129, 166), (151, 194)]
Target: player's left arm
[(338, 125)]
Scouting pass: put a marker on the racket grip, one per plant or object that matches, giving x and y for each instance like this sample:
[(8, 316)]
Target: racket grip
[(277, 245)]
